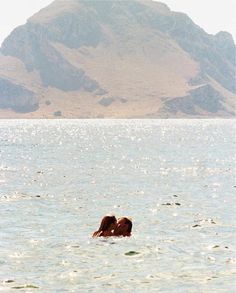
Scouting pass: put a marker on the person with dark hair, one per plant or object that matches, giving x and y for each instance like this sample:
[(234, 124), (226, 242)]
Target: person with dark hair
[(107, 227), (123, 227)]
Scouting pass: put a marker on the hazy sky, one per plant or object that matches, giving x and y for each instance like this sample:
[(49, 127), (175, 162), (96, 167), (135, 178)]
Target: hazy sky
[(211, 15)]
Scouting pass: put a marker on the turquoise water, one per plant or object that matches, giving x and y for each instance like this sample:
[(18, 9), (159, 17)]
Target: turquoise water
[(175, 178)]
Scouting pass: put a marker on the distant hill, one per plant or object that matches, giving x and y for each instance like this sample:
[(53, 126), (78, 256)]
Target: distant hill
[(121, 59)]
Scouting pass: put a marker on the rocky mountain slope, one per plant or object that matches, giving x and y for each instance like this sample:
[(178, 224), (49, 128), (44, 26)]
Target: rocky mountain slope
[(123, 59)]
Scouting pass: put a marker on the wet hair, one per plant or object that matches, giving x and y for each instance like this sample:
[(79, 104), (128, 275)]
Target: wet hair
[(129, 224), (107, 221)]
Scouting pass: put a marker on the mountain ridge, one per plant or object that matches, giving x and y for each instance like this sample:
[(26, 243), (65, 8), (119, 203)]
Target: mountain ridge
[(138, 55)]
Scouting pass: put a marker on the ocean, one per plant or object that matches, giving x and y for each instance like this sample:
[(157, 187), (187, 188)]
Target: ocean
[(174, 178)]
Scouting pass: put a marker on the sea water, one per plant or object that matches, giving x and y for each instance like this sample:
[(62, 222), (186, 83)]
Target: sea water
[(174, 178)]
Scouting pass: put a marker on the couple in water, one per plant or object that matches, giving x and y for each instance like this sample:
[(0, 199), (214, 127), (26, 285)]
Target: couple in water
[(110, 226)]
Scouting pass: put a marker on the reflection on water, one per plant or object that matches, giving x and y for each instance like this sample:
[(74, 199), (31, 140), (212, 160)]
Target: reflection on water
[(175, 178)]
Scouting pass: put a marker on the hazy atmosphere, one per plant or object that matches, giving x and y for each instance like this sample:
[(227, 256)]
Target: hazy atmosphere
[(213, 16), (117, 59), (117, 146)]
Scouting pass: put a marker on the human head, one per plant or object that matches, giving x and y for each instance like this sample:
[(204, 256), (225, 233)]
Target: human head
[(108, 223), (123, 227)]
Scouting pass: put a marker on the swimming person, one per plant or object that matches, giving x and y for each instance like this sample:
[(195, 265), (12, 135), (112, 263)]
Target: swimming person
[(123, 227), (107, 227)]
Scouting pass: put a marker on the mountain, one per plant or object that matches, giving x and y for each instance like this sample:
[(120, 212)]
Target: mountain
[(121, 59)]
